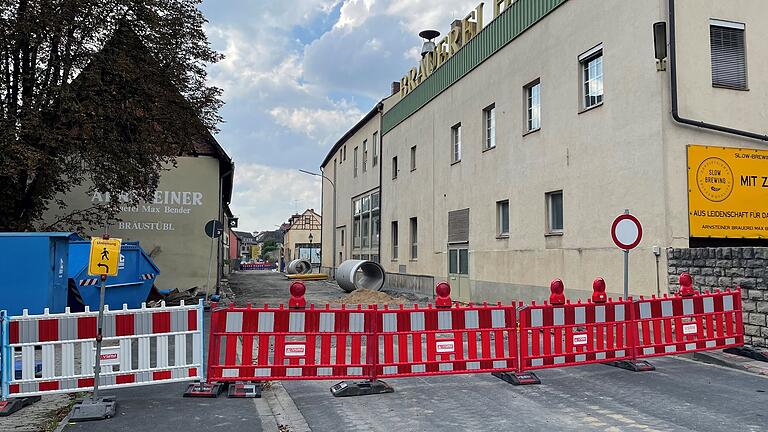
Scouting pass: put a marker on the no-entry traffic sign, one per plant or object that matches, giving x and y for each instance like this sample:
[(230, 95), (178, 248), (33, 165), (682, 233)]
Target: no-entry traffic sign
[(627, 232)]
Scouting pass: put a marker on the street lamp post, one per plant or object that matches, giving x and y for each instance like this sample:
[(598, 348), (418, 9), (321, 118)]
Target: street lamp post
[(311, 250), (333, 258)]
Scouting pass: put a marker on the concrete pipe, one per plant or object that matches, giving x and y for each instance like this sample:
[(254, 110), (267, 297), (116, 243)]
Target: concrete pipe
[(355, 274), (299, 266)]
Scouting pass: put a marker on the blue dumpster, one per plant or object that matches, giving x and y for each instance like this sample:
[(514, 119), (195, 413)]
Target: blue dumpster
[(33, 272), (135, 276)]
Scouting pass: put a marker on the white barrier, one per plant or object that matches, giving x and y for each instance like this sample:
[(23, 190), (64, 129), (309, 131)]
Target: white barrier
[(55, 353)]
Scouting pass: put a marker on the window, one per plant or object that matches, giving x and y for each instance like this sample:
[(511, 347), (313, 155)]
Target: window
[(533, 106), (414, 238), (394, 167), (592, 76), (342, 238), (394, 240), (413, 158), (365, 155), (489, 120), (555, 212), (375, 144), (354, 168), (502, 218), (345, 152), (375, 219), (456, 143), (357, 211), (729, 65)]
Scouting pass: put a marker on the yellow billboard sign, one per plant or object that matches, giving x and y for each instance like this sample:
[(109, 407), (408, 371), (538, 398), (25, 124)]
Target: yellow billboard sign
[(727, 192), (105, 256)]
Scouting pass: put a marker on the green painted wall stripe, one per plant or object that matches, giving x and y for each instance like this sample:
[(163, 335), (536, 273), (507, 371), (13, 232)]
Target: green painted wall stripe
[(499, 32)]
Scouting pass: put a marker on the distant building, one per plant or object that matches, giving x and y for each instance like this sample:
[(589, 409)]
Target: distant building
[(275, 237), (302, 238), (245, 242)]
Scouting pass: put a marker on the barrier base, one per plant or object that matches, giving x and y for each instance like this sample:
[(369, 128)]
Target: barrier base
[(244, 390), (515, 378), (750, 352), (633, 365), (360, 388), (203, 390), (94, 409), (10, 406)]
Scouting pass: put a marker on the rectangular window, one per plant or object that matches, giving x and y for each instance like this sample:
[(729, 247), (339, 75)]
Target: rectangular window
[(366, 229), (414, 238), (413, 158), (533, 106), (456, 143), (502, 218), (394, 167), (342, 238), (345, 151), (365, 155), (356, 232), (555, 212), (354, 161), (729, 60), (394, 240), (375, 144), (592, 76), (489, 120)]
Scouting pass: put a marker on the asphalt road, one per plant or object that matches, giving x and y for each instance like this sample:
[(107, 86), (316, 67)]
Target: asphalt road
[(681, 395)]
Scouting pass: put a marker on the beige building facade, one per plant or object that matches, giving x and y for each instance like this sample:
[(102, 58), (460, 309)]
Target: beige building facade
[(505, 167), (302, 237)]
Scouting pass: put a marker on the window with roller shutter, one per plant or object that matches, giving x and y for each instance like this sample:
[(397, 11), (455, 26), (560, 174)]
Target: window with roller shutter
[(458, 226), (729, 61)]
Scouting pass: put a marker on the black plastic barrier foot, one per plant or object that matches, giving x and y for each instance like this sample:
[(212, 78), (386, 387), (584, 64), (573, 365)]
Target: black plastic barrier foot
[(360, 388), (203, 390), (10, 406), (748, 352), (244, 390), (515, 378), (633, 365), (90, 409)]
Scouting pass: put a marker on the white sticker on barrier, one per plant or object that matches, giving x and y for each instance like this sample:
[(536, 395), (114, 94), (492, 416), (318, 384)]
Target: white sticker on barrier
[(689, 328), (580, 339), (295, 350), (445, 347), (110, 356)]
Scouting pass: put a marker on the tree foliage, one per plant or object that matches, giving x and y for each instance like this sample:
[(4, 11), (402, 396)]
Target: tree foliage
[(101, 94)]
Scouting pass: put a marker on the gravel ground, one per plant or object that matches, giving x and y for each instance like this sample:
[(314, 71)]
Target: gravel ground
[(40, 416)]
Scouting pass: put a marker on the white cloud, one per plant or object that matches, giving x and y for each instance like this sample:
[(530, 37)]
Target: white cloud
[(323, 125), (266, 196), (297, 75)]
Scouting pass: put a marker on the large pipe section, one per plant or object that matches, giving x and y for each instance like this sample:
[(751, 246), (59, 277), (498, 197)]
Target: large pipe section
[(356, 274), (299, 266)]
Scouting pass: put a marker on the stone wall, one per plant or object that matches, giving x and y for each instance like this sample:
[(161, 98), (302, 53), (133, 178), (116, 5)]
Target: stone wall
[(720, 268)]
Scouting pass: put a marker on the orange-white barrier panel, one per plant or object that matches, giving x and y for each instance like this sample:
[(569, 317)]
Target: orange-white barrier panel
[(675, 325), (55, 353), (258, 344), (429, 341), (575, 333)]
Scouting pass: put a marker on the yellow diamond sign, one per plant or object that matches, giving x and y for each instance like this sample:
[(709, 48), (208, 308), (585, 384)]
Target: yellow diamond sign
[(105, 257)]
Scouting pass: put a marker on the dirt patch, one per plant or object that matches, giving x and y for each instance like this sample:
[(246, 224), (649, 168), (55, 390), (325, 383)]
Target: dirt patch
[(368, 297)]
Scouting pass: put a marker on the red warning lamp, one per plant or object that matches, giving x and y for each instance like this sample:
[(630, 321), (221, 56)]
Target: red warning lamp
[(557, 297), (598, 288), (443, 292), (297, 300), (686, 285)]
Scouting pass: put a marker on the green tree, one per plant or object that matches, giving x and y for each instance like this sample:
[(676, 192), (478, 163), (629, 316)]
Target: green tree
[(267, 247), (103, 93)]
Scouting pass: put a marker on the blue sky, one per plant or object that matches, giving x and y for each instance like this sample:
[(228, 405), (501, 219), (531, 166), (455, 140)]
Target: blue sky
[(296, 76)]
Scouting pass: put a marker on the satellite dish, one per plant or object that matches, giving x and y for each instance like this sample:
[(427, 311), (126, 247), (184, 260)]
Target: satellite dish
[(429, 34)]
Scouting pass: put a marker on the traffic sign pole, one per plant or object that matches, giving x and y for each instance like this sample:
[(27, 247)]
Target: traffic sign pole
[(99, 337), (626, 268)]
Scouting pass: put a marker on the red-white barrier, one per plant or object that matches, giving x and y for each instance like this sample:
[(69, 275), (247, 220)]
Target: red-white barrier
[(56, 352)]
